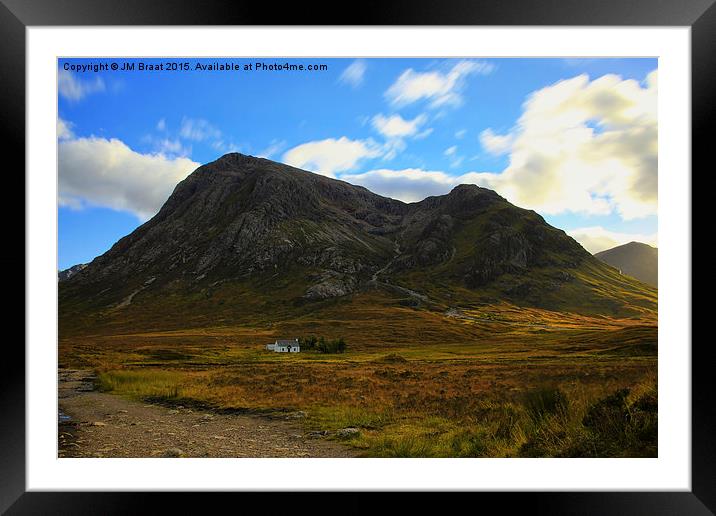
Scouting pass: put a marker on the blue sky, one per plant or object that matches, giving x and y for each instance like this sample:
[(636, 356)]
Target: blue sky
[(574, 139)]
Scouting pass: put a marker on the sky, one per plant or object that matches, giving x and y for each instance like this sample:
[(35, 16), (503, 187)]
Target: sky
[(573, 139)]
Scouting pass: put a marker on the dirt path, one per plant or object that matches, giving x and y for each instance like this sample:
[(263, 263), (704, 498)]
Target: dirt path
[(397, 288), (396, 254), (95, 424)]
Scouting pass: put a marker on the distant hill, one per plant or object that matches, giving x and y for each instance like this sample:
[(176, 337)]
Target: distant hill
[(245, 238), (638, 260)]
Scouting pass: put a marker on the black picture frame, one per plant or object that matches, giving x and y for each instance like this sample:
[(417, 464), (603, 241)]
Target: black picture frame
[(16, 15)]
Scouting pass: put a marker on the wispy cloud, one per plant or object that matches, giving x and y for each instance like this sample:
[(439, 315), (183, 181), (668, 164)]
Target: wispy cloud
[(198, 129), (452, 155), (227, 146), (172, 147), (436, 87), (275, 147), (73, 88), (395, 129), (354, 73), (203, 131)]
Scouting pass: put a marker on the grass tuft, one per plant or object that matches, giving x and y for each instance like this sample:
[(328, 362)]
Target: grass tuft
[(144, 384)]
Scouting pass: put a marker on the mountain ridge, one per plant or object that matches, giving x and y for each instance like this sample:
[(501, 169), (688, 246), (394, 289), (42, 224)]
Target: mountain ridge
[(250, 228)]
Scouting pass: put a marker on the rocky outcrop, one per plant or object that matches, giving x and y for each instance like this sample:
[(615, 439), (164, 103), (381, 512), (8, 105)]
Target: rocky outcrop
[(331, 284), (505, 250)]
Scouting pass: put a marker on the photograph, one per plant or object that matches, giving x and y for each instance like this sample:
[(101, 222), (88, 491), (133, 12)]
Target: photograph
[(278, 254), (357, 257)]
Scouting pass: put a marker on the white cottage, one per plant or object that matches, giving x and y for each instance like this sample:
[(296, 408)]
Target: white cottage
[(284, 346)]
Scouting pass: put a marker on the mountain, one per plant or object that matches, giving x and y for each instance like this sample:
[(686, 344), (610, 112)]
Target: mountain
[(68, 273), (248, 239), (638, 260)]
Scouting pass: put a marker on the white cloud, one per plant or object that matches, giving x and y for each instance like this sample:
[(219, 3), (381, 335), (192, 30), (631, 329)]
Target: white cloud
[(354, 73), (198, 129), (582, 146), (460, 134), (439, 88), (64, 129), (162, 125), (331, 155), (408, 185), (73, 88), (494, 143), (102, 172), (414, 184), (595, 239), (395, 126)]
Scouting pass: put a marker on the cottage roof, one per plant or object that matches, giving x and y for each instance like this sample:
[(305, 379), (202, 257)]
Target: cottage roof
[(287, 342)]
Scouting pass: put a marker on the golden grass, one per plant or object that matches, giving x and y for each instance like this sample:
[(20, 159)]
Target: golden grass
[(414, 382)]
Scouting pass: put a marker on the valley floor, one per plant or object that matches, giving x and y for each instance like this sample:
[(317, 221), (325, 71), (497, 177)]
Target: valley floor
[(486, 381)]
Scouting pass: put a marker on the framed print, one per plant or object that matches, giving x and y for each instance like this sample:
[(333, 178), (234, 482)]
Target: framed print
[(417, 250)]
